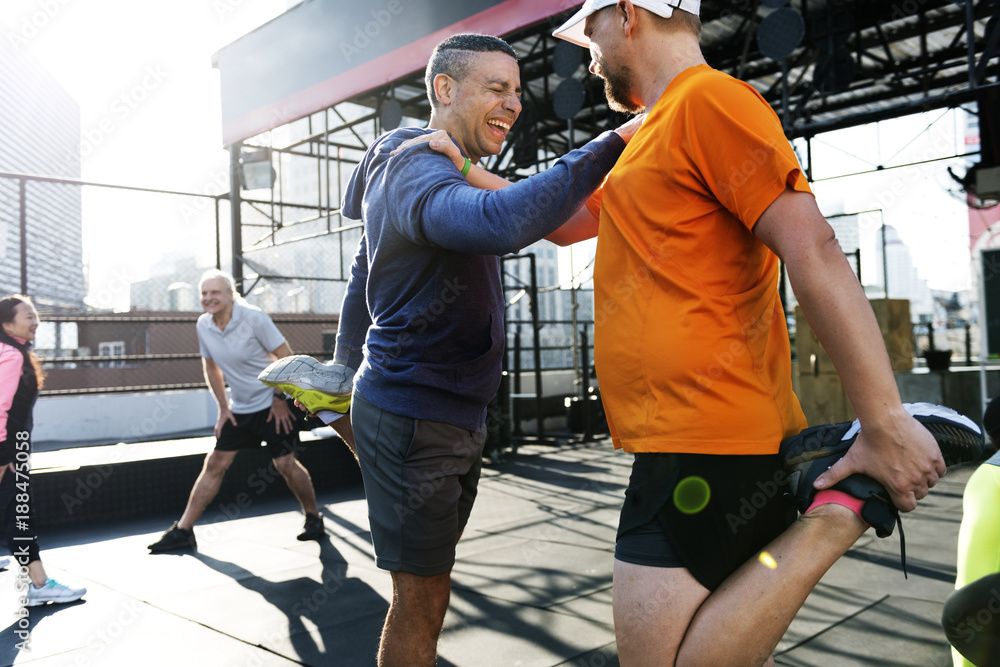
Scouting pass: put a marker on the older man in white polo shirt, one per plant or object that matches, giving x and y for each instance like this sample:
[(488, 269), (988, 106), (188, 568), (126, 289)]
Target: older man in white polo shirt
[(237, 341)]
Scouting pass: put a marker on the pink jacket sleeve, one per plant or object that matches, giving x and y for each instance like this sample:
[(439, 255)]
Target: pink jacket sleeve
[(11, 361)]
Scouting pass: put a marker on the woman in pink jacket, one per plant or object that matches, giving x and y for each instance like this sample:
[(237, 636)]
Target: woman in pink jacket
[(21, 377)]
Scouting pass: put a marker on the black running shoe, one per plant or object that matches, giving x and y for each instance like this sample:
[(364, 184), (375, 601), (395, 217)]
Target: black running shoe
[(960, 439), (174, 539), (812, 452), (313, 529), (809, 454)]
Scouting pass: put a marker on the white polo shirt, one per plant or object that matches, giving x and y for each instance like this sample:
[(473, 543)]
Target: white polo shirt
[(241, 351)]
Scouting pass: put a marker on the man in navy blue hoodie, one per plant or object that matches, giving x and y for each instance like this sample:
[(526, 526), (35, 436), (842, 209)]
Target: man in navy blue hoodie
[(422, 320)]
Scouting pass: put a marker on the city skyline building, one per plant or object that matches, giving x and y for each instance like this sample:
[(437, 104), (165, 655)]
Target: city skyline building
[(904, 281), (556, 305), (39, 135)]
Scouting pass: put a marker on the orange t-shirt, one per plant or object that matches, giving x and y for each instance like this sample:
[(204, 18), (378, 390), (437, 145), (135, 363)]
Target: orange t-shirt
[(691, 345)]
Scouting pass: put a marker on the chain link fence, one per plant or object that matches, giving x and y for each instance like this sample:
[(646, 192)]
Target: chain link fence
[(114, 272)]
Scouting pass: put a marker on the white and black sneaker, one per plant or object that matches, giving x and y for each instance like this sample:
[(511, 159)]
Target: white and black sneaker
[(809, 454), (315, 385)]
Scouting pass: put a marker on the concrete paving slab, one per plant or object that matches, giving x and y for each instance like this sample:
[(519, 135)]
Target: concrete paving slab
[(538, 574), (595, 607), (532, 585), (485, 631), (347, 516), (498, 505), (113, 629), (825, 607), (587, 526), (308, 614), (543, 473), (354, 641), (896, 631), (149, 576), (476, 542), (606, 656)]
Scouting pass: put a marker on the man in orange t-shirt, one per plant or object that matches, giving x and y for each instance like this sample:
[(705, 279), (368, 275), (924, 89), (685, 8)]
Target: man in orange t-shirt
[(691, 351), (688, 322)]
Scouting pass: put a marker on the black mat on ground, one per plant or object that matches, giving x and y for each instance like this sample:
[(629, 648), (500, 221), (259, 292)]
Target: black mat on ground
[(125, 490)]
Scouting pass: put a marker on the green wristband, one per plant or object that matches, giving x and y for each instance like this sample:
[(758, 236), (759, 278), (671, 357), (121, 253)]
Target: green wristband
[(467, 167)]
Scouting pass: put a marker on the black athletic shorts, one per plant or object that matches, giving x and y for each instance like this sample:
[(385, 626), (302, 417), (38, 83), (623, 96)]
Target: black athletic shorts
[(706, 513), (253, 428)]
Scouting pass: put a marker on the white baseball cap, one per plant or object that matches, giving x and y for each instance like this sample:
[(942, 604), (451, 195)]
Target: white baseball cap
[(572, 30)]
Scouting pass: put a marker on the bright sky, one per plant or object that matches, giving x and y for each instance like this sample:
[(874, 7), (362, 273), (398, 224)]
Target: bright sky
[(150, 114), (919, 200), (144, 68)]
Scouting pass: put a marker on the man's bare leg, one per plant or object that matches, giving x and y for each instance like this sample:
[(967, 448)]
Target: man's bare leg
[(299, 481), (345, 430), (651, 605), (663, 616), (413, 624), (206, 487)]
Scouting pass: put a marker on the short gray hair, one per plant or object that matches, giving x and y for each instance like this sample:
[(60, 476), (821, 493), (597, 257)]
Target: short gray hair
[(212, 274), (454, 57)]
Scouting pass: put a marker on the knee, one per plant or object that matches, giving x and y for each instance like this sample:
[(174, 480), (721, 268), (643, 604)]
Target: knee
[(955, 619), (217, 463), (433, 591), (286, 464)]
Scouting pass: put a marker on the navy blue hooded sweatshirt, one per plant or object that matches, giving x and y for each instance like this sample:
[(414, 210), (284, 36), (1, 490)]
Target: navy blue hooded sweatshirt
[(422, 318)]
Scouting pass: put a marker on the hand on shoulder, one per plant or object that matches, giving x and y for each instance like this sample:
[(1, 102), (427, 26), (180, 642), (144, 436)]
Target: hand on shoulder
[(439, 141), (628, 129)]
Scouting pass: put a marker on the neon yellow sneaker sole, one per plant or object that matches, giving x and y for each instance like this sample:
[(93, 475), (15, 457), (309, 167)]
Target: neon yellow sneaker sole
[(315, 385)]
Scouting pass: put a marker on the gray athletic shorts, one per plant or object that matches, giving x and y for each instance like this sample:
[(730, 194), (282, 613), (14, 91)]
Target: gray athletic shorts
[(420, 480)]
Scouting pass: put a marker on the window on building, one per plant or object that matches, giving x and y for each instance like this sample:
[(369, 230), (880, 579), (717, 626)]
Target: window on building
[(114, 348)]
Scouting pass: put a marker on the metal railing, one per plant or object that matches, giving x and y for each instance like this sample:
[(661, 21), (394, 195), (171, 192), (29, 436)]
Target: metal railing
[(157, 352)]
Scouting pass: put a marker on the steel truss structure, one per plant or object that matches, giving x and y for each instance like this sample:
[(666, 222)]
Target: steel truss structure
[(843, 63)]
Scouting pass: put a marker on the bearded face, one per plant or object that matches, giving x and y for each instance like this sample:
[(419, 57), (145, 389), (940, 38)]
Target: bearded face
[(618, 86), (619, 80)]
